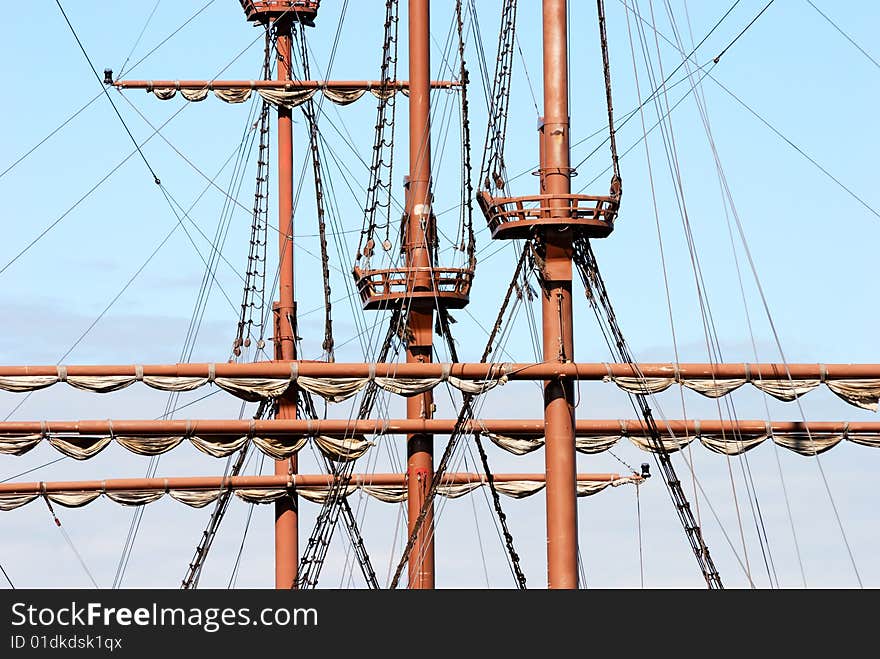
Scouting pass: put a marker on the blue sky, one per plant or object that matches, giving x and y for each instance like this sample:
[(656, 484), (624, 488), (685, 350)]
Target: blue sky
[(813, 246)]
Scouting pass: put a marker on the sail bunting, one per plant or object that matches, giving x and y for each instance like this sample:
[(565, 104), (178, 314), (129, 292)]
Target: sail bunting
[(334, 390), (729, 443), (314, 494), (863, 393), (278, 97), (83, 447)]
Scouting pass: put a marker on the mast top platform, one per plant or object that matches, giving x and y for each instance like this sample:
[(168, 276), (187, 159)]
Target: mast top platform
[(267, 11), (521, 217), (437, 288)]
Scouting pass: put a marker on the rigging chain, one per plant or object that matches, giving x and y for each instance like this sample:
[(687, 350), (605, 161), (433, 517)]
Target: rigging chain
[(586, 264), (255, 275), (493, 170), (382, 165), (310, 113), (466, 413), (312, 560)]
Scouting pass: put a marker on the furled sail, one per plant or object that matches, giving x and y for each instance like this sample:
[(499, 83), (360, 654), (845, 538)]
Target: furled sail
[(198, 498), (863, 393)]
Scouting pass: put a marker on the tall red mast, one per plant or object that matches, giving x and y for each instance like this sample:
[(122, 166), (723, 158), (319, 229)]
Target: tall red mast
[(556, 307), (552, 220), (286, 522), (419, 447)]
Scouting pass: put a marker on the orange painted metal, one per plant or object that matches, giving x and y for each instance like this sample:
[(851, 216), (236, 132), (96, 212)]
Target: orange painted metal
[(286, 515), (473, 370), (248, 482)]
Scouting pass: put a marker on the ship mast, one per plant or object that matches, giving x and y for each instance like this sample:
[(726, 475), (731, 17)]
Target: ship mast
[(418, 252), (556, 312), (286, 515), (551, 221)]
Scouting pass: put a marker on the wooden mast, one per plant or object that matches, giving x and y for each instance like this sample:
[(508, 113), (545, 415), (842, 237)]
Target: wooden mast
[(556, 312), (420, 318), (286, 516)]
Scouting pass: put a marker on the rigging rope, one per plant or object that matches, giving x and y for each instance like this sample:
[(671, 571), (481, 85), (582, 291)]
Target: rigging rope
[(32, 469), (665, 80), (140, 36), (493, 172), (255, 275), (710, 332), (101, 82), (115, 168), (194, 571), (247, 525), (69, 542), (467, 189), (312, 560), (726, 194), (588, 269), (845, 35), (134, 276), (616, 181), (466, 413), (382, 165), (101, 93), (669, 144), (167, 38), (196, 318), (3, 570), (443, 318), (639, 525)]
